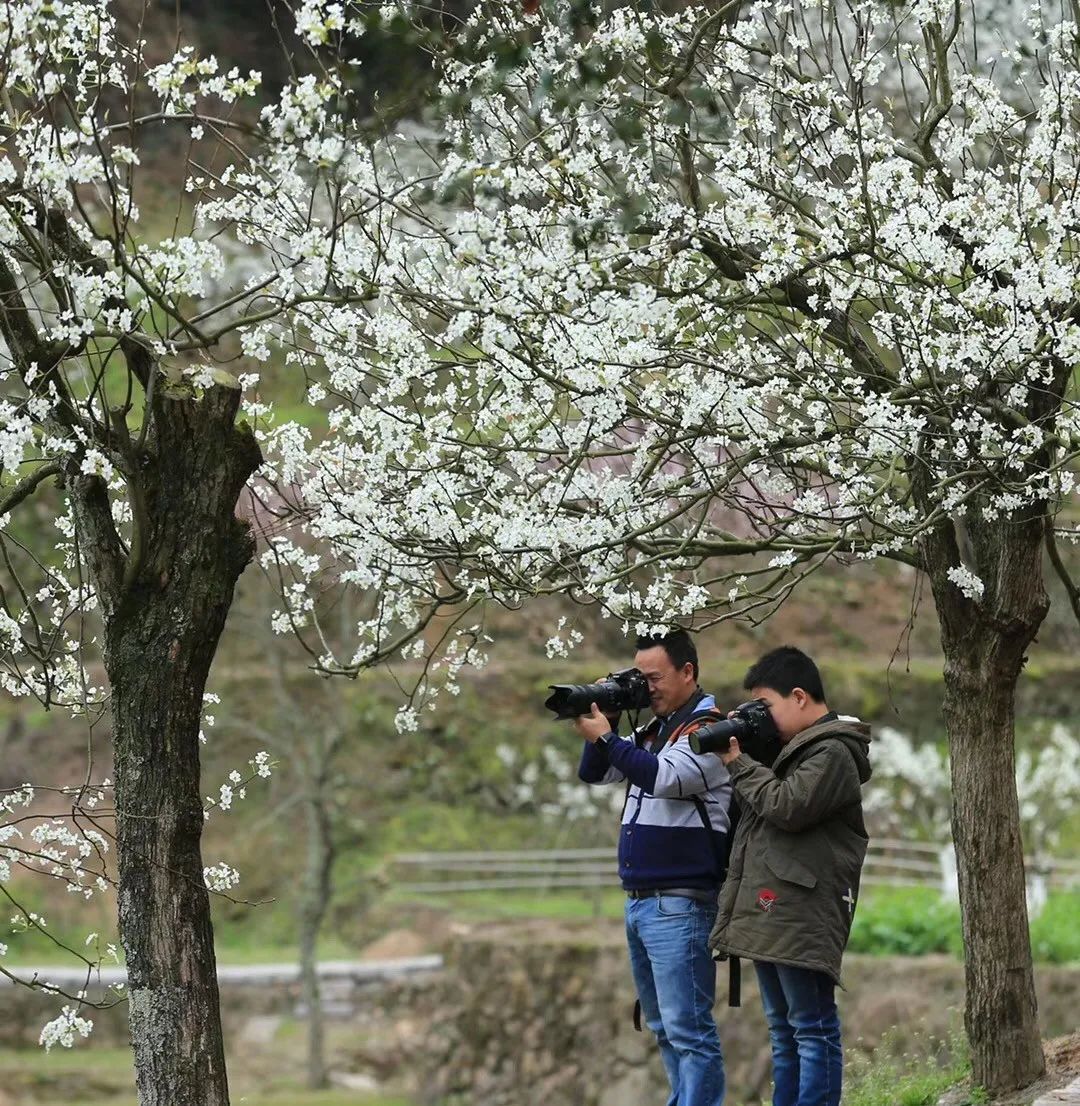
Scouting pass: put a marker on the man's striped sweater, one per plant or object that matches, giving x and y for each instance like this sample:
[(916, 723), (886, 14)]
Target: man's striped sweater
[(672, 792)]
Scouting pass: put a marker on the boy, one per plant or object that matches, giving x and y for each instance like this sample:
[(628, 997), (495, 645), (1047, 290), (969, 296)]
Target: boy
[(793, 877)]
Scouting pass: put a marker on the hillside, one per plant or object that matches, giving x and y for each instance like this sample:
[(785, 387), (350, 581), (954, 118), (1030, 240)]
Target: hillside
[(458, 782)]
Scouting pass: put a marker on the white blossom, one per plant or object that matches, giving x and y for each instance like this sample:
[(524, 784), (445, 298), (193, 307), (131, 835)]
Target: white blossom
[(221, 877), (62, 1030), (966, 581)]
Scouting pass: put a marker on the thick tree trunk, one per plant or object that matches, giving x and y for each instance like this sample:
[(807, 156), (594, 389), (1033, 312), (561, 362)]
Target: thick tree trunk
[(985, 640), (157, 685), (165, 605), (1000, 1016)]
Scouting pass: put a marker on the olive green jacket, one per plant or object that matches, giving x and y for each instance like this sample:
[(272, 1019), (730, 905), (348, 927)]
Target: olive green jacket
[(793, 876)]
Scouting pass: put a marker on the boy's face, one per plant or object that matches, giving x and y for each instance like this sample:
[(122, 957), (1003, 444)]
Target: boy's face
[(792, 713)]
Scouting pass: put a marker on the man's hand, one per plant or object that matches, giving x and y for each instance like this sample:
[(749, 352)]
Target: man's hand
[(733, 750), (592, 726)]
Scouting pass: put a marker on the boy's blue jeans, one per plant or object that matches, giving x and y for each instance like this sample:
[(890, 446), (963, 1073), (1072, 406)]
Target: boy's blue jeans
[(676, 982), (804, 1030)]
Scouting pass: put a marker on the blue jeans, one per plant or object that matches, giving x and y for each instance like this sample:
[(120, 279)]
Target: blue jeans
[(804, 1031), (676, 982)]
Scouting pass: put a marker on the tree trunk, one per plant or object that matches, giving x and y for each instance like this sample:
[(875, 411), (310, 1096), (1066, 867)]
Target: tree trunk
[(985, 640), (165, 600), (316, 898)]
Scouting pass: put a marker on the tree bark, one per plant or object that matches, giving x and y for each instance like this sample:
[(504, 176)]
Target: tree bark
[(165, 600), (985, 641)]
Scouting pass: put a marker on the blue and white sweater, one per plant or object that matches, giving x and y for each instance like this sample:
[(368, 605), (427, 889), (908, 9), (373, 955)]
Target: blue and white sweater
[(672, 792)]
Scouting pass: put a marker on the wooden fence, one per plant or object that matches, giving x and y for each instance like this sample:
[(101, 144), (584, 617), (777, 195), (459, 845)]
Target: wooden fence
[(892, 863)]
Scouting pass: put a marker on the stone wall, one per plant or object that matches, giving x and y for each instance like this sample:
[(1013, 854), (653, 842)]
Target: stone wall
[(533, 1016), (537, 1014)]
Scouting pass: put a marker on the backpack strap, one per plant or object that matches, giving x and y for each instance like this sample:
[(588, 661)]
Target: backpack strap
[(698, 719), (705, 718)]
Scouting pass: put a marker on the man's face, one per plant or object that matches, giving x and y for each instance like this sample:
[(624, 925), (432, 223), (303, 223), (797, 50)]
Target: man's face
[(669, 687), (789, 712)]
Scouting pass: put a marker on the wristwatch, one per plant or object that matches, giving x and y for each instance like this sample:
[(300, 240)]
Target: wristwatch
[(606, 739)]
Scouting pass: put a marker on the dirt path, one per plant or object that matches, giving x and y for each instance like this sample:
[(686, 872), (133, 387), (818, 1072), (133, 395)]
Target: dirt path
[(1061, 1085)]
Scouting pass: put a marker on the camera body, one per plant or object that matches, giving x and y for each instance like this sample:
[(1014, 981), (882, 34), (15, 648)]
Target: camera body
[(626, 689), (751, 723)]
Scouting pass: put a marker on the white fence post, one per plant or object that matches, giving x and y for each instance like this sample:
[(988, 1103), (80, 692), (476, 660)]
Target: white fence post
[(1037, 892), (950, 881)]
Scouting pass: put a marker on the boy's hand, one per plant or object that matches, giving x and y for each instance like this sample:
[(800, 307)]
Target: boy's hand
[(733, 750)]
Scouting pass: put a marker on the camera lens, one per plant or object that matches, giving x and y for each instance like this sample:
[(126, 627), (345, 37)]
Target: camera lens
[(717, 737)]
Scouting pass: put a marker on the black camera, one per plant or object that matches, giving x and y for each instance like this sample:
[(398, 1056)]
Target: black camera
[(624, 690), (752, 724)]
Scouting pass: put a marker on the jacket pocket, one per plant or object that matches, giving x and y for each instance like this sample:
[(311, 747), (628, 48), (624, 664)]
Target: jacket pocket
[(788, 868)]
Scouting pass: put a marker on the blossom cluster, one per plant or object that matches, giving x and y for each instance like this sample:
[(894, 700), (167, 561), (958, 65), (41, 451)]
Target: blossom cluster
[(587, 336), (260, 766), (547, 784), (62, 1030), (762, 315), (62, 848), (910, 793)]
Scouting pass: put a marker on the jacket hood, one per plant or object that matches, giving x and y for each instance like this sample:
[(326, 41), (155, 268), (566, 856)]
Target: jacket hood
[(854, 733)]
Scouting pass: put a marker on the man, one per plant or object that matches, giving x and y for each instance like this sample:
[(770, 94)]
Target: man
[(790, 893), (672, 856)]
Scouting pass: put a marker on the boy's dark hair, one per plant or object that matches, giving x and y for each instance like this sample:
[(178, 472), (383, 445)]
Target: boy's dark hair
[(785, 669), (678, 645)]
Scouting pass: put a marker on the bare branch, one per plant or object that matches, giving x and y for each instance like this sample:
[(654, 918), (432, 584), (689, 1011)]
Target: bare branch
[(29, 484)]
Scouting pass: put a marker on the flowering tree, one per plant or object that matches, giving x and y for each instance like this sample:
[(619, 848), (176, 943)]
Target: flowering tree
[(680, 309), (692, 305), (119, 429)]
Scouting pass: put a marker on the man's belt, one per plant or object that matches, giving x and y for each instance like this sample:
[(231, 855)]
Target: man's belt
[(696, 893)]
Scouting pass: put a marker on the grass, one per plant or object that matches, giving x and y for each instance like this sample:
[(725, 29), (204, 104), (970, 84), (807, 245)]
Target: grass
[(290, 1098), (1055, 933), (914, 921), (916, 1076), (584, 904), (912, 1088), (905, 921), (37, 1064), (52, 957), (88, 1076), (919, 1076), (889, 922)]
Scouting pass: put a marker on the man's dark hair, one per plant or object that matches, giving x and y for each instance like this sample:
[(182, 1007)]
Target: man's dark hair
[(678, 645), (785, 669)]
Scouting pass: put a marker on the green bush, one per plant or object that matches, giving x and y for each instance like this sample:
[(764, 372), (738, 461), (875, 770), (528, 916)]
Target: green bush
[(1055, 933), (905, 921), (914, 921)]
